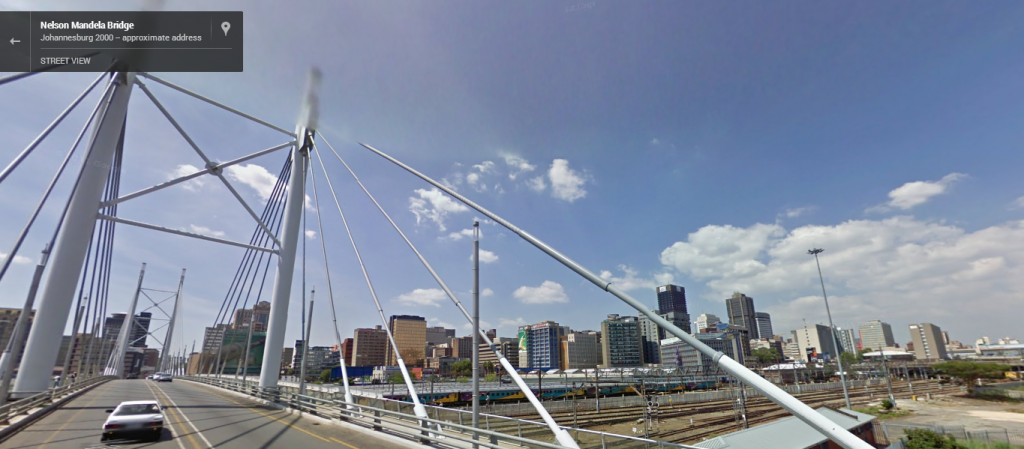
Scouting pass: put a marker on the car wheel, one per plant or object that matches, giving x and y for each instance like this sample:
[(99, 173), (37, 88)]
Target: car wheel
[(103, 438)]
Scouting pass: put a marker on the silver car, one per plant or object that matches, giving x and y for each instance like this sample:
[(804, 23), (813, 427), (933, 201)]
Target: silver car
[(138, 419)]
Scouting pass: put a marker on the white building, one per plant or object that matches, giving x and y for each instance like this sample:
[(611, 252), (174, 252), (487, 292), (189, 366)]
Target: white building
[(876, 334)]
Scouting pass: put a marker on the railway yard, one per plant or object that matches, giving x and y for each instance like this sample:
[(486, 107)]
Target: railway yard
[(694, 422)]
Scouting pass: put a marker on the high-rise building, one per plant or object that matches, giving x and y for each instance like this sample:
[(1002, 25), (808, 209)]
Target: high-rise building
[(462, 347), (928, 343), (370, 347), (677, 354), (706, 321), (410, 334), (346, 351), (509, 347), (140, 330), (213, 338), (259, 315), (671, 298), (740, 309), (541, 343), (581, 350), (8, 319), (876, 335), (437, 335), (650, 336), (815, 342), (763, 323), (621, 345), (286, 357), (847, 339)]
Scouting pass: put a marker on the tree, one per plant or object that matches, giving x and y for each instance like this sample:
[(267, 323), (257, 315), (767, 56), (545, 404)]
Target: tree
[(850, 359), (970, 372), (325, 376), (765, 355), (462, 367), (488, 367), (929, 439), (396, 378)]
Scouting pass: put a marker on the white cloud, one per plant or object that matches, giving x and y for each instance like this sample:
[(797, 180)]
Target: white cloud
[(254, 176), (498, 189), (1018, 203), (899, 269), (193, 185), (487, 292), (438, 322), (21, 260), (537, 184), (506, 323), (566, 184), (465, 233), (664, 278), (517, 166), (205, 231), (422, 297), (484, 325), (486, 256), (310, 234), (655, 141), (796, 212), (485, 167), (918, 192), (630, 281), (549, 292), (440, 206)]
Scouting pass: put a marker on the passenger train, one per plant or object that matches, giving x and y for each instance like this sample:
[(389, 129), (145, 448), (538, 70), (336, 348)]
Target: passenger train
[(515, 395)]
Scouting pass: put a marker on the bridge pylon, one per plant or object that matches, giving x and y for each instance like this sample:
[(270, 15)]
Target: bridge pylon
[(35, 373)]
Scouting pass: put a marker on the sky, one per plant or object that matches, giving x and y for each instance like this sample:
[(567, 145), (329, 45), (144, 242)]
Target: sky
[(706, 144)]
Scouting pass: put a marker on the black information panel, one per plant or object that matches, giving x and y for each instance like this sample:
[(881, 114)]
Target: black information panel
[(163, 41)]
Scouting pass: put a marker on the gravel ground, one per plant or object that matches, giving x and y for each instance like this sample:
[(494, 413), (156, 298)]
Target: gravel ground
[(973, 414)]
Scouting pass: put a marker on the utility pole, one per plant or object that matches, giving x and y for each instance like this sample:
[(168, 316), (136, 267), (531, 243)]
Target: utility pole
[(888, 380), (305, 346), (832, 329), (18, 336), (476, 331)]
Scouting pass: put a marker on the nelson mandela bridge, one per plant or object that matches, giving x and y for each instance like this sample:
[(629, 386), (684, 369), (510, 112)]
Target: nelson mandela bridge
[(72, 281)]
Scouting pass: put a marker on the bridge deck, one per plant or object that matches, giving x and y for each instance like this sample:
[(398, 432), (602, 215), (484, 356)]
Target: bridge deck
[(199, 417)]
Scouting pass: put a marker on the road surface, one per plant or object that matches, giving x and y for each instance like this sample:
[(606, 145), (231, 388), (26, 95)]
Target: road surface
[(198, 417)]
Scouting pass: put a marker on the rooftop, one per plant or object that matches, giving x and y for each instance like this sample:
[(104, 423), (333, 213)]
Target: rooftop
[(787, 433)]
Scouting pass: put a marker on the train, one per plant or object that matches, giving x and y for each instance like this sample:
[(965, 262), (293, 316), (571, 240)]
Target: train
[(515, 395)]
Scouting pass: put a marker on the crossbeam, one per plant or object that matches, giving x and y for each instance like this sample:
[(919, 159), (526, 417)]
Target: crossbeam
[(183, 233)]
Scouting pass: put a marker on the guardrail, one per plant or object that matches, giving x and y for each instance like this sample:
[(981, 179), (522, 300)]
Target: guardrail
[(24, 405), (445, 425)]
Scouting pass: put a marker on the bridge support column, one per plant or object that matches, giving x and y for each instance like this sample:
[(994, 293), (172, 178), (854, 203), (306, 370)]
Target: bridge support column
[(55, 304)]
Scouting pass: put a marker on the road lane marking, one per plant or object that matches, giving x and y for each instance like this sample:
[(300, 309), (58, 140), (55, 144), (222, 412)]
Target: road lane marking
[(260, 412), (73, 417), (183, 416), (174, 433)]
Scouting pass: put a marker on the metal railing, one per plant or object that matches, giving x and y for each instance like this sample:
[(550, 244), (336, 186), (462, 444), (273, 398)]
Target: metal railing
[(25, 405), (443, 426), (895, 434)]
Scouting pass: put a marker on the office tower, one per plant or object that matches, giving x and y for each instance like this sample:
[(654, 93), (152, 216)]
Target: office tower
[(740, 309), (437, 335), (541, 343), (259, 315), (410, 333), (763, 323), (927, 339), (581, 350), (621, 345), (706, 321), (847, 340), (650, 336), (945, 337), (346, 351), (876, 335), (286, 357), (509, 347), (815, 342), (140, 330), (671, 298), (370, 347), (462, 347)]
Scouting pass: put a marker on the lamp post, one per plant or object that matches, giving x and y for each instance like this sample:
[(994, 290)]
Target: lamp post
[(832, 328)]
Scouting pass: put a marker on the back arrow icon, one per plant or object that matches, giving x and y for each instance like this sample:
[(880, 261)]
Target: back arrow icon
[(13, 40)]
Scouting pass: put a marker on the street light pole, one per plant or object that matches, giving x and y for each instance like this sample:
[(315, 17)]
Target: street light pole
[(832, 328)]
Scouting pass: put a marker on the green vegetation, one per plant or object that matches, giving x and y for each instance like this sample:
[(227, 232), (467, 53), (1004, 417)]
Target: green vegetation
[(491, 378), (883, 414), (850, 359), (396, 378), (928, 439), (325, 376), (488, 367), (887, 404), (766, 355), (462, 367), (969, 373)]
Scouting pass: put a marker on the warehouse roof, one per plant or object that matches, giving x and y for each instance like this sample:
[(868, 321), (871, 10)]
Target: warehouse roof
[(787, 433)]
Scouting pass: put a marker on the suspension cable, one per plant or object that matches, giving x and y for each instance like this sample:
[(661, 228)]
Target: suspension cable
[(501, 357), (330, 290), (417, 407)]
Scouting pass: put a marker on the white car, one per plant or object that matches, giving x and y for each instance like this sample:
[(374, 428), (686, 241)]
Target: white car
[(162, 377), (141, 419)]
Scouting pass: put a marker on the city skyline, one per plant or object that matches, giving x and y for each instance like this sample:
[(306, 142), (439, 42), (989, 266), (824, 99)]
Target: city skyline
[(623, 172)]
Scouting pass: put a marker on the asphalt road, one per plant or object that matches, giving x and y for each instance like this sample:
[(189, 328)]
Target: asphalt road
[(198, 417)]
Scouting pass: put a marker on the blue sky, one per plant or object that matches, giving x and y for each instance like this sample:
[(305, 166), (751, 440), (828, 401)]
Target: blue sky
[(710, 144)]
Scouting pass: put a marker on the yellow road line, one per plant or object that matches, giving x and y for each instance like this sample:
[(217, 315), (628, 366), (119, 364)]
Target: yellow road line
[(180, 419), (91, 401), (260, 412)]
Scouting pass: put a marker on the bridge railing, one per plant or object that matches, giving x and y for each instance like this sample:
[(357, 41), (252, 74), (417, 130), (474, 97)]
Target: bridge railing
[(454, 424), (27, 404)]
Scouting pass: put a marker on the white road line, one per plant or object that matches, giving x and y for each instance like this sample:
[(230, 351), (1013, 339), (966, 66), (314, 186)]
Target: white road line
[(168, 421), (193, 426)]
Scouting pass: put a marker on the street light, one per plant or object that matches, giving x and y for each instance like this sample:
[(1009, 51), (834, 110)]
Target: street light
[(832, 328)]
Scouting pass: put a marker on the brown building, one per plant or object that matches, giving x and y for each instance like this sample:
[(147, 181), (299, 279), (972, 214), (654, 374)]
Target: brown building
[(509, 348), (410, 333), (259, 315), (462, 347), (370, 347), (286, 357), (346, 350)]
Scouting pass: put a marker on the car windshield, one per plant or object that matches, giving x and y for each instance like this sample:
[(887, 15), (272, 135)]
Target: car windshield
[(137, 409)]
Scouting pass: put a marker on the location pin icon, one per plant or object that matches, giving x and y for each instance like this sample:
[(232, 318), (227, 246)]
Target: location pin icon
[(225, 26)]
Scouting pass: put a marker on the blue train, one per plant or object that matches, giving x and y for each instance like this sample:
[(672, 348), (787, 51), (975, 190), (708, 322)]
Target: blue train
[(515, 395)]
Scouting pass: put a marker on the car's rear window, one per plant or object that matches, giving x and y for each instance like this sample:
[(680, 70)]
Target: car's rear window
[(137, 409)]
